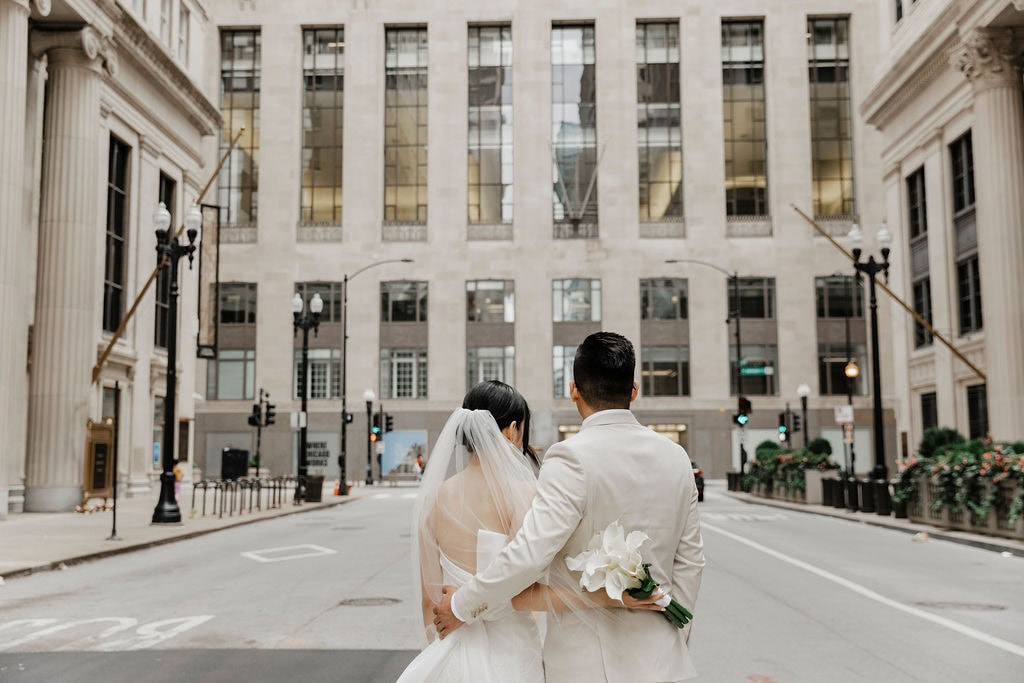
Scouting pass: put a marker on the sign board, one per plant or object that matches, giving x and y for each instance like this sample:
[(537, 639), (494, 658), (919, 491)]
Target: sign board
[(844, 414), (98, 479), (318, 454), (209, 283), (757, 371), (298, 419)]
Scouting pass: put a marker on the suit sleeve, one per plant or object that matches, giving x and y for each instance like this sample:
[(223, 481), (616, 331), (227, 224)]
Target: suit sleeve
[(688, 564), (556, 512)]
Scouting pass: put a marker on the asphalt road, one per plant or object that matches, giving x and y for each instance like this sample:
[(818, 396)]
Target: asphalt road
[(327, 596)]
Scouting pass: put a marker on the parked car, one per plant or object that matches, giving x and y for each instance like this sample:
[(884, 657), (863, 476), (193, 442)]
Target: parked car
[(698, 476)]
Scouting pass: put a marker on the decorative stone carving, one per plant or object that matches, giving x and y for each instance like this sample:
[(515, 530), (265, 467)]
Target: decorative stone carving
[(91, 42), (989, 58), (42, 6), (318, 233), (662, 229)]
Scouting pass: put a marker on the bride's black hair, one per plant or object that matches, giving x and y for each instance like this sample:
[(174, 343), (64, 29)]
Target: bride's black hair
[(506, 405)]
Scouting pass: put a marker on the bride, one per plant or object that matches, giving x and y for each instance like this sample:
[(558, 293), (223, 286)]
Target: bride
[(477, 486)]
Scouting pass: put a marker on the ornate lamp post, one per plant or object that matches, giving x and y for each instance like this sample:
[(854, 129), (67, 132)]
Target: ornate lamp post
[(872, 268), (307, 322), (369, 397), (345, 416), (169, 250), (803, 391)]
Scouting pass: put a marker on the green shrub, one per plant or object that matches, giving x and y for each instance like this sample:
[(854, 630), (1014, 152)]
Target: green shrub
[(820, 446), (765, 447), (935, 439)]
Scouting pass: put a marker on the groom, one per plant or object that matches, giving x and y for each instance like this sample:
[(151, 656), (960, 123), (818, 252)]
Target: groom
[(613, 469)]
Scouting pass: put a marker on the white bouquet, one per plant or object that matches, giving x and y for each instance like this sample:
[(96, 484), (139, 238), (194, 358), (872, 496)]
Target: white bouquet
[(613, 562)]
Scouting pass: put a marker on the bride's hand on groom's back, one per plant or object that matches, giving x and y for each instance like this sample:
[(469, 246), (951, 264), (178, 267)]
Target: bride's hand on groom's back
[(648, 603)]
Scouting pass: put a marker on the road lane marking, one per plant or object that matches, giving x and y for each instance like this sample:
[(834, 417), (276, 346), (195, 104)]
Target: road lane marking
[(96, 639), (981, 636), (288, 552), (744, 516)]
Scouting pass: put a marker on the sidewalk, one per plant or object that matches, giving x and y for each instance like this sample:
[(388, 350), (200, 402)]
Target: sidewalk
[(40, 541), (993, 543)]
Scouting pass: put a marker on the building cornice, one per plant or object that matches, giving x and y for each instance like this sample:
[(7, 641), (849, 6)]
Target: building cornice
[(989, 58), (915, 70), (157, 64)]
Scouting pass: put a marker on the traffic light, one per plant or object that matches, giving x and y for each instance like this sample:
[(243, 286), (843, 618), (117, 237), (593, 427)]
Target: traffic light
[(254, 419), (389, 422), (270, 416), (349, 417), (783, 427), (795, 418), (742, 416), (375, 429)]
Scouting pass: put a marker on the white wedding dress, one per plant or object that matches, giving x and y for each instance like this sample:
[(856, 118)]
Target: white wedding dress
[(505, 647)]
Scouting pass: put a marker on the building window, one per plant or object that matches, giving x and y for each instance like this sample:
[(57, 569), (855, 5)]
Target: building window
[(563, 357), (969, 292), (832, 360), (323, 100), (324, 373), (231, 376), (977, 412), (839, 296), (403, 373), (576, 300), (184, 17), (899, 10), (163, 278), (746, 141), (831, 136), (659, 131), (917, 206), (490, 301), (962, 157), (237, 303), (490, 362), (330, 293), (663, 299), (240, 106), (405, 125), (165, 22), (117, 224), (403, 302), (760, 371), (929, 411), (490, 167), (922, 290), (574, 125), (665, 370), (757, 297)]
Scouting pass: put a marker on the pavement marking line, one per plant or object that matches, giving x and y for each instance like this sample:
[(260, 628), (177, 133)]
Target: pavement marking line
[(288, 552), (981, 636)]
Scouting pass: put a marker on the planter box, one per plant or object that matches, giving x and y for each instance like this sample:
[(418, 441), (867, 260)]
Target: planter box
[(995, 524), (813, 490)]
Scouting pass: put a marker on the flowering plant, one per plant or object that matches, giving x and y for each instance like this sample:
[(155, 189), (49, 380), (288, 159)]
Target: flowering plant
[(613, 562)]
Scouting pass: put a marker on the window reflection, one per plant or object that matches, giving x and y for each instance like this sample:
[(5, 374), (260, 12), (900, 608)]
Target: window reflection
[(322, 124), (574, 124), (659, 132), (240, 106), (490, 124), (405, 125), (831, 137), (746, 144)]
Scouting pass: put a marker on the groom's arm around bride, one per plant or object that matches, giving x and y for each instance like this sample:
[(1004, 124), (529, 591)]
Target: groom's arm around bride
[(614, 469)]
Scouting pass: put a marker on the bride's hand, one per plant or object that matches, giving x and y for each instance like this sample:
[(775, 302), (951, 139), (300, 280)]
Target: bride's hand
[(629, 602)]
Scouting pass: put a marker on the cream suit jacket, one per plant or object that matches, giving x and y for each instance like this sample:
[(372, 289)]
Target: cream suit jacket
[(612, 469)]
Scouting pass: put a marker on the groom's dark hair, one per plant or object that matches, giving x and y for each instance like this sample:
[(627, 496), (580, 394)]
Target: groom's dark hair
[(603, 370)]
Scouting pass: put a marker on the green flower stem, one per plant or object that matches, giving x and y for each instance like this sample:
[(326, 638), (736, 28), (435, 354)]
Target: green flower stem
[(678, 615)]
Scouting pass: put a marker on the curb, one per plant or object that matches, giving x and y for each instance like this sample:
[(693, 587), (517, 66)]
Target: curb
[(983, 543), (101, 554)]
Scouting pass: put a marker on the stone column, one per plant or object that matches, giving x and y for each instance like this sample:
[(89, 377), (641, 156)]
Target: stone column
[(64, 341), (13, 78), (989, 59)]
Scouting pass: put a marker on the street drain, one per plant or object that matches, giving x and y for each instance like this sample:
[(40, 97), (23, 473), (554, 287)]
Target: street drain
[(973, 606), (368, 602)]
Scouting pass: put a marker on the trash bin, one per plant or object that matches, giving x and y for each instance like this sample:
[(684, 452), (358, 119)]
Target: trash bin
[(838, 494), (851, 494), (827, 489), (234, 463), (314, 489), (867, 495)]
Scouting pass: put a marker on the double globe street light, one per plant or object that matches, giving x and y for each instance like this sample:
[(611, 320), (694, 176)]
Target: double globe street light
[(169, 251), (304, 322), (872, 269)]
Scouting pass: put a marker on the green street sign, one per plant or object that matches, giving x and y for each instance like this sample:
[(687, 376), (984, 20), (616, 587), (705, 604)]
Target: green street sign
[(757, 371)]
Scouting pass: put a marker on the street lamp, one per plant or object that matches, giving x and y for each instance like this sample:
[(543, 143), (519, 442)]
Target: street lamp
[(852, 372), (872, 268), (803, 391), (307, 322), (169, 250), (734, 279), (369, 397), (345, 417)]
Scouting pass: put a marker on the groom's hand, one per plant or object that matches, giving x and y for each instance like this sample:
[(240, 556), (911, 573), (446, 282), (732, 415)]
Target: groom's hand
[(444, 620)]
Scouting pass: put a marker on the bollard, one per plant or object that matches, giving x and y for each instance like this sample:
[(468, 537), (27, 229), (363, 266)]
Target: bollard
[(867, 495), (827, 489), (838, 494), (851, 494), (883, 499)]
